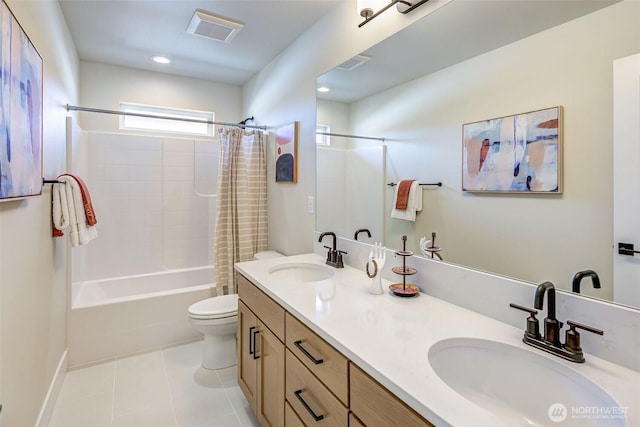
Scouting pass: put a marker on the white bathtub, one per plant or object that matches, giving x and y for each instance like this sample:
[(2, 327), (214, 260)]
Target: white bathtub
[(131, 314)]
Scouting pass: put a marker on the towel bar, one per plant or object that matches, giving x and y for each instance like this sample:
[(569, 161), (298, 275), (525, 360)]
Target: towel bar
[(439, 184)]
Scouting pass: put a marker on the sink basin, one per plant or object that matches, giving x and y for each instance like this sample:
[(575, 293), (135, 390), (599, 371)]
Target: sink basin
[(301, 272), (521, 386)]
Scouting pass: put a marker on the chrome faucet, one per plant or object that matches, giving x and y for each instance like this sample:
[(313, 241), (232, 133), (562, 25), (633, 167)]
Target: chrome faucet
[(334, 256), (595, 280), (550, 342)]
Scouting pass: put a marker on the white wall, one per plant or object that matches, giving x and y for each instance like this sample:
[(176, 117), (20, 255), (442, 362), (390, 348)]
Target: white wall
[(33, 272), (105, 86), (532, 237), (285, 92)]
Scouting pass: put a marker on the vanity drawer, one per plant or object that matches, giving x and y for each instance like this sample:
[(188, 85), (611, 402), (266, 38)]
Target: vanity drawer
[(311, 400), (376, 406), (269, 311), (290, 417), (324, 361)]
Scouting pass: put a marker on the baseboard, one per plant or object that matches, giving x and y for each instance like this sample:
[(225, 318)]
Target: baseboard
[(52, 394)]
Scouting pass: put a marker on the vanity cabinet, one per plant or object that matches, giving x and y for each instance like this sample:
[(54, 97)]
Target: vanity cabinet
[(319, 386), (374, 405), (261, 354)]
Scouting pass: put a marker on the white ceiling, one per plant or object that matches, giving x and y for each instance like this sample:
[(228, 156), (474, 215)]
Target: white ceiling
[(129, 32)]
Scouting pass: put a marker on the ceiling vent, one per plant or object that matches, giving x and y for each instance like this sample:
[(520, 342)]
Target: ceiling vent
[(205, 24), (354, 62)]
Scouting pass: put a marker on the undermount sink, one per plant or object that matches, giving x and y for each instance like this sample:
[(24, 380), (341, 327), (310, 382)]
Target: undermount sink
[(521, 386), (301, 272)]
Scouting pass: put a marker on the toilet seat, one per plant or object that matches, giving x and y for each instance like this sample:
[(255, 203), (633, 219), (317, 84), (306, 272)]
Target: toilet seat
[(219, 307)]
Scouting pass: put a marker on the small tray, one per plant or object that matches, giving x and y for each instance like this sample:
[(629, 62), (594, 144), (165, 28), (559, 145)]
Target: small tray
[(405, 271), (404, 253), (404, 291)]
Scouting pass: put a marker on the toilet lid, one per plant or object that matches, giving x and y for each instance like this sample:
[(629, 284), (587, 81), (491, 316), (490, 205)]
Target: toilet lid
[(220, 306)]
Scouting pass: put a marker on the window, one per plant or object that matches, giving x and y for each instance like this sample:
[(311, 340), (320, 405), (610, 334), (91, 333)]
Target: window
[(199, 125), (323, 139)]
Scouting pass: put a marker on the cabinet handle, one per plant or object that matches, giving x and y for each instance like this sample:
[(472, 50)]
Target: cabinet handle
[(251, 343), (306, 353), (255, 347), (307, 407)]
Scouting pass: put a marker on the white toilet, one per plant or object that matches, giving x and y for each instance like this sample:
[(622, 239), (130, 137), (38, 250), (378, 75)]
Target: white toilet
[(217, 319)]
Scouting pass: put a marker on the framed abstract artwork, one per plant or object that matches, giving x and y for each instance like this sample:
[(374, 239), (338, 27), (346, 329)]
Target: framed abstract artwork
[(287, 153), (20, 112), (514, 154)]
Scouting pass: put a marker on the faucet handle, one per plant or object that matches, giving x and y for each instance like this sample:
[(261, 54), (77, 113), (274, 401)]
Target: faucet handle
[(339, 262), (533, 331), (572, 337)]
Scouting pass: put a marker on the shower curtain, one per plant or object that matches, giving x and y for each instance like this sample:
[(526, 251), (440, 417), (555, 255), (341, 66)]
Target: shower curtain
[(241, 220)]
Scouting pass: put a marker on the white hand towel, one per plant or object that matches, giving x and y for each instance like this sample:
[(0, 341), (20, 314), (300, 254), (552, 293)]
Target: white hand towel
[(414, 205)]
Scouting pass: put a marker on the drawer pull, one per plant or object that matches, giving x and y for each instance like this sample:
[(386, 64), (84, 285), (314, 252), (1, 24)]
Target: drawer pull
[(255, 347), (251, 340), (307, 407), (306, 353)]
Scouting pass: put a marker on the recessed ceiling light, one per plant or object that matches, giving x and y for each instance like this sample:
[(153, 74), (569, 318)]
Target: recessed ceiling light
[(323, 89), (159, 59)]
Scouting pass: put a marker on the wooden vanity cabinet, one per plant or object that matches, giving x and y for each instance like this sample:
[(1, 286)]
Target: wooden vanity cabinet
[(319, 386), (375, 406), (261, 354)]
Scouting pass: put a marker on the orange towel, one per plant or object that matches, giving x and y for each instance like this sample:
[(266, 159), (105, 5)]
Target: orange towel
[(402, 200)]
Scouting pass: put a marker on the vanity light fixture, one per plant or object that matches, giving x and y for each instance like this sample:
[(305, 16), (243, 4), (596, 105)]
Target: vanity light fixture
[(366, 8), (159, 59)]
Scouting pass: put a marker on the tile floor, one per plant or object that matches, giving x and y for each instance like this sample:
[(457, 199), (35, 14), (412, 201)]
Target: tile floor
[(165, 388)]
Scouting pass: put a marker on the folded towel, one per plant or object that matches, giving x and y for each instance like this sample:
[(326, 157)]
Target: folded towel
[(68, 212), (402, 194), (414, 204), (86, 200)]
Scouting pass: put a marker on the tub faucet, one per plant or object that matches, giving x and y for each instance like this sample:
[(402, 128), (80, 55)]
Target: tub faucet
[(551, 324), (595, 280), (334, 256)]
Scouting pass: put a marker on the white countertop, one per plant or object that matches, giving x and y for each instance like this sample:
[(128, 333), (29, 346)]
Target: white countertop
[(389, 337)]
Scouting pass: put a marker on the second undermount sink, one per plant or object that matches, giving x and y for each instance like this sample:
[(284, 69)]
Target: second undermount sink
[(521, 386), (301, 272)]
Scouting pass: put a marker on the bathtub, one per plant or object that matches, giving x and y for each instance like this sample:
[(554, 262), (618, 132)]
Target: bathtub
[(118, 316)]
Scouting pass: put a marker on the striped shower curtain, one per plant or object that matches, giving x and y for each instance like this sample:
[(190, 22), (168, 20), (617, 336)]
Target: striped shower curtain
[(241, 220)]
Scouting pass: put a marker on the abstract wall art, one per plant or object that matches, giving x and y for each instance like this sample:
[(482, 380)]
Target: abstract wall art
[(287, 153), (20, 111), (514, 154)]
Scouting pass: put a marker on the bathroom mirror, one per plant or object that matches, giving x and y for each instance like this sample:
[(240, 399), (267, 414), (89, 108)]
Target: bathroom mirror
[(466, 63)]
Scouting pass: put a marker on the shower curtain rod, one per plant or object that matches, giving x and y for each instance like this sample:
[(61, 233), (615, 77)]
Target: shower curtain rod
[(350, 136), (151, 116)]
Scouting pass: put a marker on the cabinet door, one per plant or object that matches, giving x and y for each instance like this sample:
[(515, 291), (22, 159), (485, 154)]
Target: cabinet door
[(247, 362), (270, 402)]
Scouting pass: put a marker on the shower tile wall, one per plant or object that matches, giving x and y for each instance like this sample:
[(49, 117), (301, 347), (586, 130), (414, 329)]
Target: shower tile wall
[(155, 204)]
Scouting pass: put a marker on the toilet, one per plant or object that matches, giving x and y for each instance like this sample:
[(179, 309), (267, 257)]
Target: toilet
[(217, 319)]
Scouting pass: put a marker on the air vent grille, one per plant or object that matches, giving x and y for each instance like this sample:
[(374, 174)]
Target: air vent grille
[(214, 27), (354, 62)]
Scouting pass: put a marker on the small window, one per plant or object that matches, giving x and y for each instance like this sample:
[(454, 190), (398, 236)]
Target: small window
[(323, 139), (194, 122)]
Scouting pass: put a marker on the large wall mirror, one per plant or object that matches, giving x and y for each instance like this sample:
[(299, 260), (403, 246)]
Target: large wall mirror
[(467, 62)]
